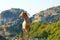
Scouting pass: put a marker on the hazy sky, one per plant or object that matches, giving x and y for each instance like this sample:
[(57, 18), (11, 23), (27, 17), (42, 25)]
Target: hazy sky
[(32, 6)]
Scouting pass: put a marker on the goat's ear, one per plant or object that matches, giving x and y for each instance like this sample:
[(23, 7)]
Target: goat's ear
[(28, 14)]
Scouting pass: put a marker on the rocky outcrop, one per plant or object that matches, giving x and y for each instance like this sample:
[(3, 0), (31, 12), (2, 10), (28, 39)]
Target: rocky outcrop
[(37, 17)]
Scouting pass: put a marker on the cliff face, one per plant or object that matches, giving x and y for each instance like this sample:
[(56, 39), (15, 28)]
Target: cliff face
[(48, 15)]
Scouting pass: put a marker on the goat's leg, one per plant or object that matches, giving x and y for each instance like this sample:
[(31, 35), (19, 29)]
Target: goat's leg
[(23, 33), (27, 34)]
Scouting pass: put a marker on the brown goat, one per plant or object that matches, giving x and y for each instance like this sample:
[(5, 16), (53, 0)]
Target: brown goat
[(25, 24)]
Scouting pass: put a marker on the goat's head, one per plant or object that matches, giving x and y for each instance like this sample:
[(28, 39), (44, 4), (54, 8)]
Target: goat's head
[(23, 14)]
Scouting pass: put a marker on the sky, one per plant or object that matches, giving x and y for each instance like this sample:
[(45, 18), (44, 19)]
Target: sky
[(31, 6)]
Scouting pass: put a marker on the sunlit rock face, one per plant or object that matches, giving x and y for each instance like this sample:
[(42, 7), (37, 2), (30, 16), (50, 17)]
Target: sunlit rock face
[(49, 15)]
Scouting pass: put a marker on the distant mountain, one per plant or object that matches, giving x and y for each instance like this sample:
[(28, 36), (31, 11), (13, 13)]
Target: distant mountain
[(10, 15), (48, 15)]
